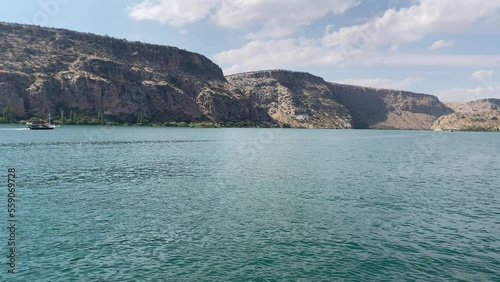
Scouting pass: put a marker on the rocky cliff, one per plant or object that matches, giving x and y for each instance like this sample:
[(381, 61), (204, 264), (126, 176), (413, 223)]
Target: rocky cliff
[(294, 98), (481, 115), (302, 99), (44, 70), (389, 109)]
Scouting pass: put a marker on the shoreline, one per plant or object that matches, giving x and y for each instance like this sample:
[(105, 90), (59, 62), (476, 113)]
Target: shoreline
[(205, 125)]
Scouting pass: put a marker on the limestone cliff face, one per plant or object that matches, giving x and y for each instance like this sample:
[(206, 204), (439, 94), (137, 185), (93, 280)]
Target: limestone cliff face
[(301, 99), (481, 115), (13, 93), (295, 98), (46, 70), (390, 109)]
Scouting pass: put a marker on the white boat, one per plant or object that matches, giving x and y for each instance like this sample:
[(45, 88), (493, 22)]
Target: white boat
[(40, 125)]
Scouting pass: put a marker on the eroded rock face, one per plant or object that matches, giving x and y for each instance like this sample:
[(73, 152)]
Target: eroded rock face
[(295, 98), (391, 109), (302, 99), (482, 115), (13, 93), (478, 106), (46, 70)]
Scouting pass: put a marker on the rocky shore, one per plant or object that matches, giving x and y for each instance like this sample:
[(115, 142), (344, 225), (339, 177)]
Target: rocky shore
[(86, 78)]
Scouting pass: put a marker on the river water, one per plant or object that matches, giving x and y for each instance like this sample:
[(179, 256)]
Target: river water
[(178, 204)]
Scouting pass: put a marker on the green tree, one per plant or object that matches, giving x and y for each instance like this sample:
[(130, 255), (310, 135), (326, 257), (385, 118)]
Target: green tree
[(100, 118), (62, 117), (140, 118), (72, 117), (6, 115), (12, 117)]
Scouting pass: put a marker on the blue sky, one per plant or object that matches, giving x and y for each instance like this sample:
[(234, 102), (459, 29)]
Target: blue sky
[(448, 48)]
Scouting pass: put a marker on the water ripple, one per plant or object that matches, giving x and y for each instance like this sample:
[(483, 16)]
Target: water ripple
[(186, 205)]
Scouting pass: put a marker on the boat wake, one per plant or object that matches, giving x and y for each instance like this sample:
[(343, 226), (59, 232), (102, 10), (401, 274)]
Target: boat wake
[(12, 129)]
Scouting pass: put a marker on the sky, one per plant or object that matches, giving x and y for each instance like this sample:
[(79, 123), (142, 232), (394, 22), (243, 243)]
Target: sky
[(448, 48)]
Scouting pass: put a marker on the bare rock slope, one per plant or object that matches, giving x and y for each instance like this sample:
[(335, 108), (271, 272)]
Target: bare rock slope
[(46, 70), (302, 99), (481, 115), (294, 98), (389, 109)]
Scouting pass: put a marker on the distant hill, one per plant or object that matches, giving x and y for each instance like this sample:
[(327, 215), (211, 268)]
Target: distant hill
[(46, 70), (481, 115), (304, 100)]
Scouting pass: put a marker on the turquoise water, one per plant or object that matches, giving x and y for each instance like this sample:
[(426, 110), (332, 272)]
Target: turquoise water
[(179, 204)]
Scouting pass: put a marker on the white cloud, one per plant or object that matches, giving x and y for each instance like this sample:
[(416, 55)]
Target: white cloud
[(290, 53), (359, 44), (382, 83), (439, 60), (486, 89), (394, 48), (441, 44), (483, 75), (271, 54), (270, 18), (469, 94), (173, 12), (276, 18), (412, 24), (287, 53)]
